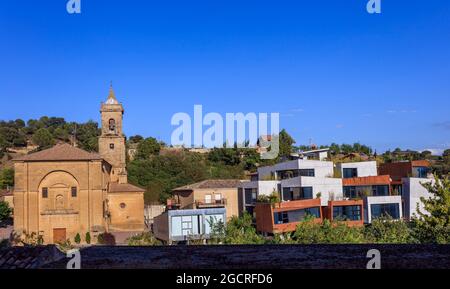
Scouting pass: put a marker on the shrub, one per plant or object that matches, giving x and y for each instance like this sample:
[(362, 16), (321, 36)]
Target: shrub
[(77, 238), (388, 230), (143, 239), (5, 211), (106, 239), (310, 232), (88, 238)]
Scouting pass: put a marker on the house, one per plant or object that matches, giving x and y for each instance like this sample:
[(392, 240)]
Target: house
[(351, 212), (377, 193), (357, 169), (187, 225), (64, 191), (208, 194), (284, 217), (316, 154), (377, 206)]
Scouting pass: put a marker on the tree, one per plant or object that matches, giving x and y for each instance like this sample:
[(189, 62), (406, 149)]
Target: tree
[(311, 232), (433, 224), (136, 139), (5, 211), (77, 238), (43, 138), (388, 230), (239, 230), (88, 238), (286, 142), (6, 178), (147, 148)]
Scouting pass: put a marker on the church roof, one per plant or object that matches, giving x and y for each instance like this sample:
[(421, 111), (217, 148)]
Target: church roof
[(124, 188), (111, 97), (61, 152)]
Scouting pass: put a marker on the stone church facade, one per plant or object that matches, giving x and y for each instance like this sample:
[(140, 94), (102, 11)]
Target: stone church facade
[(64, 191)]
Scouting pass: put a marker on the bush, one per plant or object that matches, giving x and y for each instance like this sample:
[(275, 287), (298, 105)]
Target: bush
[(77, 238), (388, 230), (106, 239), (237, 231), (310, 232), (5, 211), (143, 239), (88, 238)]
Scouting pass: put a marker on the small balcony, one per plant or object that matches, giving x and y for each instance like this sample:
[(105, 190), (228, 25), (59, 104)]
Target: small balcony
[(211, 203)]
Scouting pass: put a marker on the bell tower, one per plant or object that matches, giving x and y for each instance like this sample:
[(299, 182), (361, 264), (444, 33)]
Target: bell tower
[(111, 143)]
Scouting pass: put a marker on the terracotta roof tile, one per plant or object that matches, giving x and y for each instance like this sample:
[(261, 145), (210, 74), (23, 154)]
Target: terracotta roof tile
[(367, 181), (61, 152), (124, 188), (210, 184)]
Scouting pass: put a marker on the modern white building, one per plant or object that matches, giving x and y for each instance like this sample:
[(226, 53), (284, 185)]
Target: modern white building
[(357, 169), (376, 206), (295, 168), (412, 191)]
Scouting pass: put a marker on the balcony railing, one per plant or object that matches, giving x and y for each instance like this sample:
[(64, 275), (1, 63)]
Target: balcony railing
[(211, 204)]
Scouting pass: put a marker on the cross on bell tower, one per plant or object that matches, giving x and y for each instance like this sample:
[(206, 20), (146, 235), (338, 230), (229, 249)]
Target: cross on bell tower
[(111, 143)]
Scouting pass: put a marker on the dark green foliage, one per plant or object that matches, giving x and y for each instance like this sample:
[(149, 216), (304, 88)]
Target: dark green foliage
[(77, 238), (387, 230), (237, 231), (5, 211), (6, 178), (311, 232), (147, 148), (106, 239), (43, 138), (286, 144), (434, 226), (88, 238)]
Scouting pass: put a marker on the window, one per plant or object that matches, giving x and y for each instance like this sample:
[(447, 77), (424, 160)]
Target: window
[(111, 146), (347, 213), (350, 192), (302, 193), (112, 124), (350, 173), (306, 172), (378, 210), (74, 192), (420, 172), (208, 199), (123, 205), (380, 190), (218, 198), (250, 196), (44, 193), (296, 215)]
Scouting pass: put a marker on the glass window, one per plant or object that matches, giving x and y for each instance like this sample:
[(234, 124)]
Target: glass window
[(44, 193), (349, 173), (306, 172), (378, 210), (111, 146), (380, 190), (302, 193), (74, 192), (347, 213), (350, 192), (296, 215), (420, 172), (250, 196)]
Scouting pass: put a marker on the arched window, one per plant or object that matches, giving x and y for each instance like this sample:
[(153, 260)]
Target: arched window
[(112, 124)]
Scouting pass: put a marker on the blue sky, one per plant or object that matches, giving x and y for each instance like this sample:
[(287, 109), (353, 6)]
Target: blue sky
[(334, 72)]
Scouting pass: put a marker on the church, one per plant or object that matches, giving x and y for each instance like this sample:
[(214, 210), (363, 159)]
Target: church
[(64, 191)]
